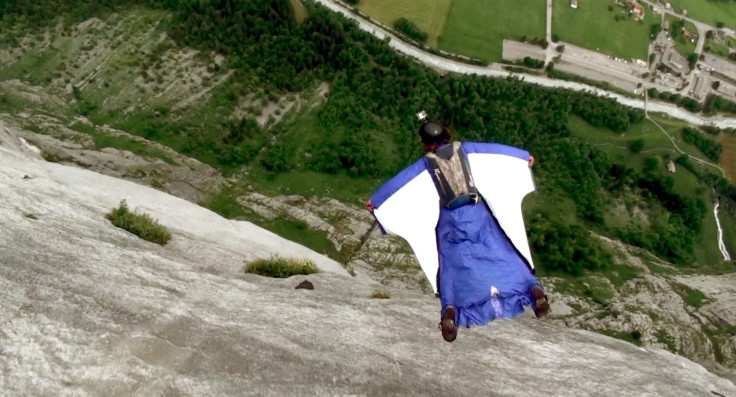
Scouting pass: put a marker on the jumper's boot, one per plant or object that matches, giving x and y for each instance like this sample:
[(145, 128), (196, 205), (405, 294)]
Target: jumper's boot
[(447, 325), (541, 304)]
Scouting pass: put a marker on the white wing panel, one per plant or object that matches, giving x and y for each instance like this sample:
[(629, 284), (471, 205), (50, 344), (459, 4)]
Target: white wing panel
[(504, 181), (412, 213)]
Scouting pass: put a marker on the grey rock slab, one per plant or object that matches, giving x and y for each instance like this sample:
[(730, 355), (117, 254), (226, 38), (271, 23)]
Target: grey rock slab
[(90, 309)]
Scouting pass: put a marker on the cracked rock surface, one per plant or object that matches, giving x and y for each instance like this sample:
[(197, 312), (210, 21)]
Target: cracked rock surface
[(90, 309)]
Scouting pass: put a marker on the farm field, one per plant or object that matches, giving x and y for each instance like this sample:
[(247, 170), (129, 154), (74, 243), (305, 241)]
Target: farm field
[(728, 156), (428, 15), (617, 145), (476, 28), (593, 25), (710, 12)]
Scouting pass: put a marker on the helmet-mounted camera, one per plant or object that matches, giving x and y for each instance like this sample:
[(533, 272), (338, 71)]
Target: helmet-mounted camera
[(431, 131)]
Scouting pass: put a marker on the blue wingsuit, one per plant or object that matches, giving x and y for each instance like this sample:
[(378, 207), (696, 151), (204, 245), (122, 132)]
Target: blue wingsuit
[(478, 253)]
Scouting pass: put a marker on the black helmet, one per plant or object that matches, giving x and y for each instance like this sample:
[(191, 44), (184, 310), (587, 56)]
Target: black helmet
[(432, 132)]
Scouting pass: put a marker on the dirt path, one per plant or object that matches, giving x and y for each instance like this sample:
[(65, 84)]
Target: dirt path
[(701, 161)]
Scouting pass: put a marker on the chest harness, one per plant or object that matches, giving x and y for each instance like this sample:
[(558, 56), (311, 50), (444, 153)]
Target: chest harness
[(451, 175)]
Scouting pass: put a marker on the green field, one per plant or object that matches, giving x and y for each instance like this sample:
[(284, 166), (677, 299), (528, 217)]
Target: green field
[(710, 12), (728, 157), (683, 45), (656, 145), (592, 25), (476, 28), (616, 146), (716, 48), (720, 47), (729, 231), (674, 129), (429, 15)]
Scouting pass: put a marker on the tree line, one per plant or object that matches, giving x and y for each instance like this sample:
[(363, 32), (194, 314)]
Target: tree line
[(411, 30), (710, 148), (374, 95)]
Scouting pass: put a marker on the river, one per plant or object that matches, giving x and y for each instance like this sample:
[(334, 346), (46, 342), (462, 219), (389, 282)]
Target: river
[(721, 243)]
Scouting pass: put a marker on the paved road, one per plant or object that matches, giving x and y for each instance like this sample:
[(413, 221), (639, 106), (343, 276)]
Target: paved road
[(514, 51), (702, 30), (601, 67), (701, 26), (701, 41), (449, 65)]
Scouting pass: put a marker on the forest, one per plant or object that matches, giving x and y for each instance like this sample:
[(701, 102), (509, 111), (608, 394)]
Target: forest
[(369, 123), (708, 146)]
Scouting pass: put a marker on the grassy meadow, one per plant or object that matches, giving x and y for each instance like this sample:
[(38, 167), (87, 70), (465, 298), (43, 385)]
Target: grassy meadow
[(656, 145), (593, 25), (720, 47), (710, 12), (728, 157), (428, 15), (477, 28), (683, 45), (728, 223)]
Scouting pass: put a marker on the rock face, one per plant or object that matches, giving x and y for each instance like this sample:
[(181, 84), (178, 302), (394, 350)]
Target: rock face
[(306, 284), (718, 313), (649, 308), (163, 168), (353, 232), (344, 226), (90, 309)]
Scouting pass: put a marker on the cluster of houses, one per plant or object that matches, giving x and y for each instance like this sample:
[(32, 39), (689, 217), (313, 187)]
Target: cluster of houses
[(675, 68)]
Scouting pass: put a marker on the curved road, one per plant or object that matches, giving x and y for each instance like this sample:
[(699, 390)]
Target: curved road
[(449, 65)]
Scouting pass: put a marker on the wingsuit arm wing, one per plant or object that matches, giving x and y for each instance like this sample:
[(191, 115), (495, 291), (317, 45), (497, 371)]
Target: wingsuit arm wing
[(503, 178), (408, 206)]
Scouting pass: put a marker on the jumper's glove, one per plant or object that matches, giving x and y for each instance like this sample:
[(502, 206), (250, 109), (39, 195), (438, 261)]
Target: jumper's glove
[(369, 206)]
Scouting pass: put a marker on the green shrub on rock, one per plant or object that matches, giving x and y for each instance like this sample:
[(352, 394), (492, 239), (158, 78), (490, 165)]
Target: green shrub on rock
[(279, 267), (142, 225)]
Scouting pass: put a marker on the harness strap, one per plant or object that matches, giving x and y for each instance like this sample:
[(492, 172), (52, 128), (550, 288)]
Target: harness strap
[(448, 197), (472, 190), (443, 187)]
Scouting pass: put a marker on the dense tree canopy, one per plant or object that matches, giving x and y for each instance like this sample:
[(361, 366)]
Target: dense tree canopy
[(374, 95), (709, 147)]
